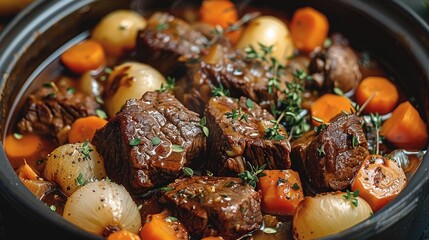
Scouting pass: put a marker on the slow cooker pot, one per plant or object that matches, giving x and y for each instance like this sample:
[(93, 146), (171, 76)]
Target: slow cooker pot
[(385, 28)]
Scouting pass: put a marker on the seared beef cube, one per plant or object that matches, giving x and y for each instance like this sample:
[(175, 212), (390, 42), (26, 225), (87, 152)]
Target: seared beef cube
[(223, 206), (165, 39), (333, 158), (222, 66), (50, 110), (238, 137), (149, 141), (336, 66)]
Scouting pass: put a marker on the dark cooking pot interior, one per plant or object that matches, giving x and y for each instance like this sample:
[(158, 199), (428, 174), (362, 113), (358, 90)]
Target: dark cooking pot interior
[(384, 28)]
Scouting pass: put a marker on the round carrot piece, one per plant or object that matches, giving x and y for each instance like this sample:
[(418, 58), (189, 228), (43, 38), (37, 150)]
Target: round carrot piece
[(328, 106), (85, 56), (379, 180), (309, 29), (123, 234), (84, 128), (221, 13), (405, 128), (27, 147), (383, 93), (281, 191)]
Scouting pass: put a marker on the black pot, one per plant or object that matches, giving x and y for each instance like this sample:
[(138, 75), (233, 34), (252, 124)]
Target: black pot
[(37, 36)]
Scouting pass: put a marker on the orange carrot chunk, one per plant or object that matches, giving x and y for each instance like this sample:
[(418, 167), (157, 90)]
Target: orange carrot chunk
[(162, 226), (383, 93), (85, 56), (405, 128), (123, 234), (379, 180), (328, 106), (221, 13), (84, 128), (309, 29), (29, 147), (281, 191)]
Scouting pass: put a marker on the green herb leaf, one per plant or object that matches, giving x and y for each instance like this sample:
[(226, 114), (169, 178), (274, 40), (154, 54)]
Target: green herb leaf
[(162, 26), (355, 142), (177, 148), (320, 151), (269, 230), (280, 181), (171, 219), (136, 141), (167, 189), (249, 103), (85, 150), (252, 174), (53, 208), (171, 81), (101, 114), (18, 136), (220, 91), (352, 197), (295, 186), (338, 91), (156, 141), (71, 90), (79, 180), (188, 172)]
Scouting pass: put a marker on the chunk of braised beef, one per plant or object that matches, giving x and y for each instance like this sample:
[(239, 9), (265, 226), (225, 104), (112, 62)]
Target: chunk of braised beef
[(238, 136), (334, 156), (51, 109), (214, 206), (223, 67), (149, 142), (165, 39), (336, 66)]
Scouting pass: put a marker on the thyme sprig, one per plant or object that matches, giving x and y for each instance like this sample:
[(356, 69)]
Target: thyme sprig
[(352, 197), (273, 133), (220, 91), (169, 86), (252, 174), (85, 150), (237, 114), (295, 120)]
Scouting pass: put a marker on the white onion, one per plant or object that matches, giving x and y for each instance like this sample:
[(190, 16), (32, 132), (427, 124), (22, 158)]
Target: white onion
[(117, 31), (269, 31), (130, 80), (102, 205), (69, 168), (327, 214)]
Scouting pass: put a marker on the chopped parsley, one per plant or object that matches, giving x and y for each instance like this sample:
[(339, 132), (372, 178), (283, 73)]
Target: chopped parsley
[(156, 141), (352, 197), (177, 148), (85, 150), (136, 141), (188, 172)]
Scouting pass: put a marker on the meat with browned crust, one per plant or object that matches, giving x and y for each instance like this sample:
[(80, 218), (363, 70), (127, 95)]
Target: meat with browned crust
[(215, 206), (149, 141)]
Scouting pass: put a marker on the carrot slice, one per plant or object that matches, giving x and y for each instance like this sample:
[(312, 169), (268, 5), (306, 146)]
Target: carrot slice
[(161, 227), (29, 147), (328, 106), (405, 128), (379, 180), (309, 28), (281, 191), (84, 128), (123, 234), (383, 92), (220, 13), (85, 56)]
